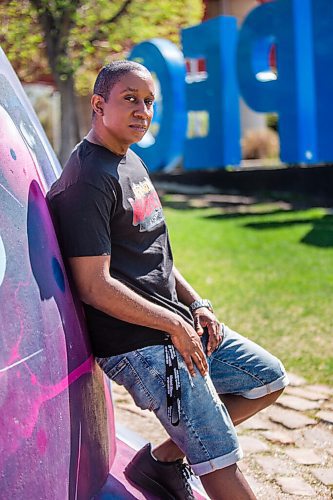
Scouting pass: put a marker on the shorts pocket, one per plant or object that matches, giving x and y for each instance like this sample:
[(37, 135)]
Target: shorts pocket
[(124, 373)]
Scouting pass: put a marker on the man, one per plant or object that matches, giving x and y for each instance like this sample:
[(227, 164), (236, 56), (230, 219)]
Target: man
[(150, 330)]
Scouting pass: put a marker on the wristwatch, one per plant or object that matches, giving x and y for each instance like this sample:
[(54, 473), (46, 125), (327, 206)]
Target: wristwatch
[(200, 303)]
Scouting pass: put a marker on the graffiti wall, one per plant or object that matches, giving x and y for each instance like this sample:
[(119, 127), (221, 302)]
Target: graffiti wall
[(56, 427)]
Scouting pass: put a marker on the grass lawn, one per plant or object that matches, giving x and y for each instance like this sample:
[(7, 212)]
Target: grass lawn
[(269, 274)]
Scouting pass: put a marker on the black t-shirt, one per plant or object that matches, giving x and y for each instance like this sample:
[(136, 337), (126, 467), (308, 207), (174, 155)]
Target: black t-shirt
[(105, 204)]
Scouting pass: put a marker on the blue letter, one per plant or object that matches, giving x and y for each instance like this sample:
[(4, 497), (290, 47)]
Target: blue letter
[(163, 144), (323, 49), (213, 128), (288, 23)]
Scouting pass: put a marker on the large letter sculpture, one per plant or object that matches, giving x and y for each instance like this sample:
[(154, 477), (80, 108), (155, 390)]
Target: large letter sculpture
[(213, 128), (163, 144), (322, 15), (291, 94)]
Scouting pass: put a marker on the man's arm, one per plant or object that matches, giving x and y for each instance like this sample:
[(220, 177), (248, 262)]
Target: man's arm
[(185, 292), (203, 317), (97, 288)]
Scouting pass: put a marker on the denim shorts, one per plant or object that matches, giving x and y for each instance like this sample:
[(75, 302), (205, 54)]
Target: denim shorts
[(205, 432)]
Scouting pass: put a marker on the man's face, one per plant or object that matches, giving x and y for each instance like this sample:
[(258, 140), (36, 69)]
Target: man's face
[(129, 110)]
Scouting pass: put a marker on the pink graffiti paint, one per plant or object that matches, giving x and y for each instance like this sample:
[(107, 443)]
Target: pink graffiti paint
[(42, 441), (56, 426)]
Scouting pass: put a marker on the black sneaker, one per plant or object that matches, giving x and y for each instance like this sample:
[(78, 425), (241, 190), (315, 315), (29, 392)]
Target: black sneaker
[(166, 480)]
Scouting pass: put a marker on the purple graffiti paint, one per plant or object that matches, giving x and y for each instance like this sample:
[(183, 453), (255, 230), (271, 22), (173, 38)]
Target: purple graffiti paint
[(56, 425)]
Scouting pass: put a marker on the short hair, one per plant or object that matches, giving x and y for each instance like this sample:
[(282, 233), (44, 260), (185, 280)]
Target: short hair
[(110, 74)]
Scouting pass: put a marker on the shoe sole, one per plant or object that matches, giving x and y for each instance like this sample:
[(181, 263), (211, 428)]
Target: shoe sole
[(137, 478)]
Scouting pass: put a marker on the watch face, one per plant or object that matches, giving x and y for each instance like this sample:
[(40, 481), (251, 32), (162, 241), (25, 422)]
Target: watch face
[(201, 303)]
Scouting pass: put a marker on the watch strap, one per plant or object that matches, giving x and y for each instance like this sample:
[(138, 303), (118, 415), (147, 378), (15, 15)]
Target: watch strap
[(201, 303)]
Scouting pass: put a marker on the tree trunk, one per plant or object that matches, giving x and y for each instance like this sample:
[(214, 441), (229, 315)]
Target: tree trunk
[(69, 118)]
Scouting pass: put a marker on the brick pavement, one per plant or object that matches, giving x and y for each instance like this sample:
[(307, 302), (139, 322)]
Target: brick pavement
[(288, 447)]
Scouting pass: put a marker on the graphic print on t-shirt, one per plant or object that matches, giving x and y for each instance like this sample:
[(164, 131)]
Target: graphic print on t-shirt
[(147, 209)]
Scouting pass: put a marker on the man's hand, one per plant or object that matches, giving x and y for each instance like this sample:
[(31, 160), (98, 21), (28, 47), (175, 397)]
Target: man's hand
[(188, 344), (203, 317)]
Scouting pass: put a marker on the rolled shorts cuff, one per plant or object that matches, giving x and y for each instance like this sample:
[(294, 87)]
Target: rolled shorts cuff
[(217, 463), (259, 392)]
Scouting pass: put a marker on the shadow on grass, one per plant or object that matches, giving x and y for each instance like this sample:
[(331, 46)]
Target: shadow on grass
[(246, 212), (190, 202), (236, 207), (321, 234)]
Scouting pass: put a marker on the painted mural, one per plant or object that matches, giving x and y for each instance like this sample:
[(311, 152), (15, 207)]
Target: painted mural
[(56, 424)]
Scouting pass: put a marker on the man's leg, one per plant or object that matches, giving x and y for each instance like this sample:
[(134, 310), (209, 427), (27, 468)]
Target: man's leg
[(239, 409), (229, 482), (211, 449), (268, 375), (201, 441), (222, 484), (226, 484)]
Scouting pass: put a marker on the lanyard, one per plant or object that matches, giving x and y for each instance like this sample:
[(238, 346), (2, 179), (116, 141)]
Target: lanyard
[(172, 384)]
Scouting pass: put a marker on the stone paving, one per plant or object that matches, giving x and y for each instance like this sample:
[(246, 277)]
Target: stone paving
[(288, 448)]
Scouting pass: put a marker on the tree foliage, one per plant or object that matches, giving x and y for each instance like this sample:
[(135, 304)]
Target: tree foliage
[(69, 40), (87, 33)]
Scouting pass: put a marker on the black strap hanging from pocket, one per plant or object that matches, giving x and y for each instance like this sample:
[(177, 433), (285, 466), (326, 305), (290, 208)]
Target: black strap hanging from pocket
[(172, 384)]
